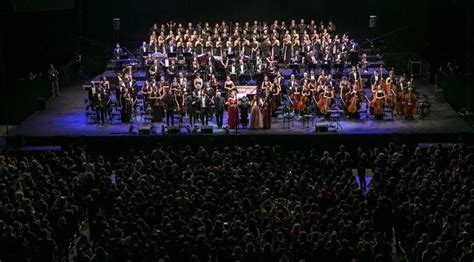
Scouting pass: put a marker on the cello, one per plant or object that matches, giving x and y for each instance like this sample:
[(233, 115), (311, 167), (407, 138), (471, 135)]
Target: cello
[(358, 81), (304, 98), (410, 101)]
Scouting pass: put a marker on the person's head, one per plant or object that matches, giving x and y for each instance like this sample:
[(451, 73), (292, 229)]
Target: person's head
[(117, 45), (218, 94)]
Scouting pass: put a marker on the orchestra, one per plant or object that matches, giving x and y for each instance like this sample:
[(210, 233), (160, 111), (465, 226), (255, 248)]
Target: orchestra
[(195, 74)]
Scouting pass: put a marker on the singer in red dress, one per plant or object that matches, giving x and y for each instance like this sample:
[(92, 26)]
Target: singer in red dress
[(232, 108)]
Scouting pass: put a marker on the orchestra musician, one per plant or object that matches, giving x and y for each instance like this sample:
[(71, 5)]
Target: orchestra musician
[(229, 86), (210, 70), (118, 52), (172, 70), (101, 108), (410, 101), (352, 103), (213, 83), (241, 71), (154, 70), (156, 104), (127, 102), (104, 84), (277, 92), (325, 101), (378, 102), (198, 81), (143, 52)]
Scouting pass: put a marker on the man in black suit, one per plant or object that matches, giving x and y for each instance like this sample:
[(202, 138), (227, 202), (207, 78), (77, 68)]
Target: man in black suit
[(210, 70), (219, 103), (205, 104), (118, 51), (169, 102), (172, 70), (354, 52), (241, 71), (118, 55)]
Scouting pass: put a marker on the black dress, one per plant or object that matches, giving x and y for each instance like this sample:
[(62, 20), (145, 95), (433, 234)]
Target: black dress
[(244, 113)]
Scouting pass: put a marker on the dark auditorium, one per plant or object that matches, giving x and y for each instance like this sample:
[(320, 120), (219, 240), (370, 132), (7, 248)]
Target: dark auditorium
[(236, 131)]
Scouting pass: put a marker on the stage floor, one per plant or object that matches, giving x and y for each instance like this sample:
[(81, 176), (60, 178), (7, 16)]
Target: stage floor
[(65, 116)]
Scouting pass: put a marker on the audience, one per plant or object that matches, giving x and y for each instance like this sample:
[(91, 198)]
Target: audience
[(259, 203)]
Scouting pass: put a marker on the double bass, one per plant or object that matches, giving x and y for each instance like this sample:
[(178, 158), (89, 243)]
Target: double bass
[(409, 102), (378, 102), (401, 94), (358, 81), (304, 98), (353, 103), (325, 100)]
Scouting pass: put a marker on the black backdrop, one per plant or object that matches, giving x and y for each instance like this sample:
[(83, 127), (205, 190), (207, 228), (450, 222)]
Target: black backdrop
[(350, 16)]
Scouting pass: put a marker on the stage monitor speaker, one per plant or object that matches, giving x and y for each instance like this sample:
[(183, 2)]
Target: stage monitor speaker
[(144, 130), (172, 130), (116, 24), (372, 21), (206, 130), (322, 127)]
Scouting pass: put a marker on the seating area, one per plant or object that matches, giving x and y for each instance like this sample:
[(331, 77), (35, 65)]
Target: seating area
[(258, 203)]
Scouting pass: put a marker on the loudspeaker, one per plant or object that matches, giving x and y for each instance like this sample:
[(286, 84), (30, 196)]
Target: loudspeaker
[(116, 24), (172, 130), (322, 127), (206, 130), (372, 21), (144, 130)]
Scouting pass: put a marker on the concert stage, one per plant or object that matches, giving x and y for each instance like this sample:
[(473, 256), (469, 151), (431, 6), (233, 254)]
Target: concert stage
[(65, 117)]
